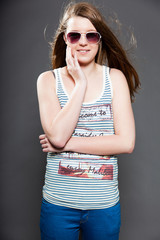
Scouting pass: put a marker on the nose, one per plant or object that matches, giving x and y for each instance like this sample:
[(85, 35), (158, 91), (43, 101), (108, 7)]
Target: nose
[(83, 40)]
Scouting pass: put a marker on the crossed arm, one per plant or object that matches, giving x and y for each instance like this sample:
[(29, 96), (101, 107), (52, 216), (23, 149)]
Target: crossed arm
[(58, 124), (58, 127)]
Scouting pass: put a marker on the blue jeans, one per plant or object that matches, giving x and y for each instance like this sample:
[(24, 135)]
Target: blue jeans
[(63, 223)]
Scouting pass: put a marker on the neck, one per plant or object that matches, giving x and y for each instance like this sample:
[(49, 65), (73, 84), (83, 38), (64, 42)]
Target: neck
[(89, 69)]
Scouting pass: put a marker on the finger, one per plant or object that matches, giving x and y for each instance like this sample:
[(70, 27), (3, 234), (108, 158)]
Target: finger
[(72, 51), (67, 58), (44, 145), (69, 61), (43, 141), (76, 59), (42, 136), (70, 56), (45, 150), (67, 53)]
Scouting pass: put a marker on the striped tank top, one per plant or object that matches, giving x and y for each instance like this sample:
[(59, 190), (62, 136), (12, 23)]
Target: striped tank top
[(84, 181)]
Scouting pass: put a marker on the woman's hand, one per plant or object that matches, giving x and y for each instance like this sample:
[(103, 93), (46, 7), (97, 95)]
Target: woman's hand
[(59, 123), (73, 66), (46, 145)]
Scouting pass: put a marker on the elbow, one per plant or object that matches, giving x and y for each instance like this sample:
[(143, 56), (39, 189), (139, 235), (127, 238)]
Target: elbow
[(56, 138), (130, 147), (57, 142)]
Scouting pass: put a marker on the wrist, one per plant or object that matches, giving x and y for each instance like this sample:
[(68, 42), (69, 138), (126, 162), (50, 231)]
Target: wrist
[(69, 145), (81, 83)]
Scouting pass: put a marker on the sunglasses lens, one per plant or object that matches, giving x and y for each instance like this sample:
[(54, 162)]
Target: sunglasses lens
[(93, 37), (73, 37)]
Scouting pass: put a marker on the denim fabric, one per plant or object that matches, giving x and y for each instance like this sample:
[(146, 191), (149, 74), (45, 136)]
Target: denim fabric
[(63, 223)]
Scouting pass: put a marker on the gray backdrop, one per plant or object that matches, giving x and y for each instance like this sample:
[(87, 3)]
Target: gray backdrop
[(24, 55)]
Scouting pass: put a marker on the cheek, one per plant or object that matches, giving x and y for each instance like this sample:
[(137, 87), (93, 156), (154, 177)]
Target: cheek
[(95, 50)]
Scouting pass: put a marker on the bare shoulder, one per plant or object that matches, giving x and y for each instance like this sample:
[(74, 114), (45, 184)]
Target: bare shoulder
[(117, 76), (46, 79), (119, 81)]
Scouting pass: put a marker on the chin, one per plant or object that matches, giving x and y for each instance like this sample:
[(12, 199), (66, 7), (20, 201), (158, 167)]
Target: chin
[(85, 61)]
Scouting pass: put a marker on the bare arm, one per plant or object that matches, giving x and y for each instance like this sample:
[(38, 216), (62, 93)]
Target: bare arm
[(59, 124), (124, 138)]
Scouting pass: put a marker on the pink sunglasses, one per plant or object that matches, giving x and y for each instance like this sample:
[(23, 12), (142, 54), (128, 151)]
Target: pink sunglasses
[(92, 37)]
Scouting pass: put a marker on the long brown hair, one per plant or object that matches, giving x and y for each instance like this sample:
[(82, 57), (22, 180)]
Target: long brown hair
[(110, 48)]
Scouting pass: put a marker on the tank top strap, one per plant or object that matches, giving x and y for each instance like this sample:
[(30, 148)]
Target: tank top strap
[(108, 91), (56, 75), (59, 87)]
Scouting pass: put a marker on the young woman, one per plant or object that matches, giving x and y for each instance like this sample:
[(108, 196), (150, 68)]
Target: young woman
[(86, 114)]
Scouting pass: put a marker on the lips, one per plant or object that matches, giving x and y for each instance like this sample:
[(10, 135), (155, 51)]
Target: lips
[(83, 50)]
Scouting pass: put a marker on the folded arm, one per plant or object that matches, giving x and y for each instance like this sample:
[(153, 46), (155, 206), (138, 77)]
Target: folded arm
[(123, 140), (59, 123)]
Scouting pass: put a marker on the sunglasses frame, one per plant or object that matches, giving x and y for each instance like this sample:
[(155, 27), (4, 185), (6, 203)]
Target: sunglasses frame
[(85, 36)]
